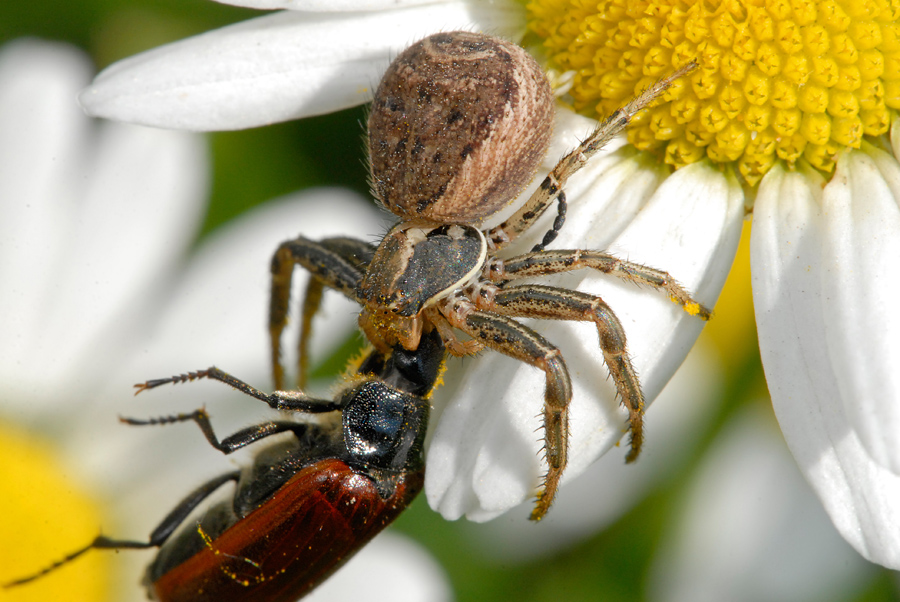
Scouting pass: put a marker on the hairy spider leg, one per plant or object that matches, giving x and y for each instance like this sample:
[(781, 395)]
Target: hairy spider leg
[(552, 303), (312, 301), (519, 342), (338, 263), (559, 261), (552, 186)]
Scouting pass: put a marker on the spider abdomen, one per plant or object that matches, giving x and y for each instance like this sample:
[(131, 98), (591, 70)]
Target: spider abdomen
[(458, 127)]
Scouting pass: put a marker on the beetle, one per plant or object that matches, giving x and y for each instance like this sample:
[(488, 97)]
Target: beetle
[(457, 129), (305, 505)]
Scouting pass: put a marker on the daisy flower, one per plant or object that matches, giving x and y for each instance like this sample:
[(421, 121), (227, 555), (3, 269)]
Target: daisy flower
[(798, 100), (99, 292), (789, 116)]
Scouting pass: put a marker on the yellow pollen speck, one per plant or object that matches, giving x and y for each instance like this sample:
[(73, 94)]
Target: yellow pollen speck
[(778, 79), (691, 308)]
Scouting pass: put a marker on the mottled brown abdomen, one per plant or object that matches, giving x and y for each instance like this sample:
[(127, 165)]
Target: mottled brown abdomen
[(458, 127)]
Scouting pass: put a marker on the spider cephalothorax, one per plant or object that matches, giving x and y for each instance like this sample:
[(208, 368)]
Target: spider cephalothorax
[(457, 129)]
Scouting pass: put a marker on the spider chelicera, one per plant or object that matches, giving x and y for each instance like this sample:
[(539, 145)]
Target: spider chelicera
[(457, 129)]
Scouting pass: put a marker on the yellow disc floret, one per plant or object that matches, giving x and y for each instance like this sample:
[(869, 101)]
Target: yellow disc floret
[(778, 79)]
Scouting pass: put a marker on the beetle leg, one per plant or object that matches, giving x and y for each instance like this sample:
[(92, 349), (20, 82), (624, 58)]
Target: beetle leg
[(292, 401), (242, 438), (522, 343), (187, 505), (338, 263), (158, 537), (556, 262), (552, 186), (551, 303)]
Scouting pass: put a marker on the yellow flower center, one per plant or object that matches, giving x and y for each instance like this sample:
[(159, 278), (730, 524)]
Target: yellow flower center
[(44, 517), (778, 79)]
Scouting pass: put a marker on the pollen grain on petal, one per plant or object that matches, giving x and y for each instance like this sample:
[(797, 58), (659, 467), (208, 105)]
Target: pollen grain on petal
[(779, 80)]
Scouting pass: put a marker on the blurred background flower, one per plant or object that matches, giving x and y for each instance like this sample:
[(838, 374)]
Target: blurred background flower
[(699, 518)]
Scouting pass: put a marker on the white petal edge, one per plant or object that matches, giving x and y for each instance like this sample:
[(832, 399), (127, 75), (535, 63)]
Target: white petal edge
[(484, 454), (328, 6), (278, 67), (789, 277), (748, 529)]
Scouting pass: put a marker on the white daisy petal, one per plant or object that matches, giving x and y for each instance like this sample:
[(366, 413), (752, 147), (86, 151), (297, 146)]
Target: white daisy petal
[(326, 6), (277, 67), (484, 455), (609, 488), (90, 220), (861, 229), (42, 134), (142, 208), (751, 530), (807, 377)]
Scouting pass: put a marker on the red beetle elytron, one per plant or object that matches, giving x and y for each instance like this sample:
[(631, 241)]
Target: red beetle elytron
[(306, 505)]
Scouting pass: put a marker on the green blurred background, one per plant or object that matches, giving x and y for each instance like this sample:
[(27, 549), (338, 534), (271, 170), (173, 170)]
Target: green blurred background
[(253, 166)]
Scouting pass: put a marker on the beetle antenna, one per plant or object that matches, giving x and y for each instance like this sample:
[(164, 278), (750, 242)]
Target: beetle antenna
[(100, 543), (178, 379)]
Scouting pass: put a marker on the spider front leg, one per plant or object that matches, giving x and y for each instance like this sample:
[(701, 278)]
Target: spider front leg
[(552, 186), (551, 303), (522, 343), (338, 263), (555, 262)]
